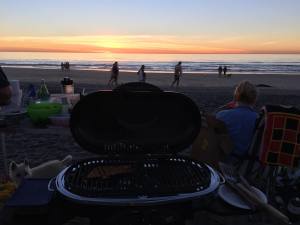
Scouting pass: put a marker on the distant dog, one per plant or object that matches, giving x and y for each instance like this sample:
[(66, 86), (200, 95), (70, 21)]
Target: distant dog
[(17, 172)]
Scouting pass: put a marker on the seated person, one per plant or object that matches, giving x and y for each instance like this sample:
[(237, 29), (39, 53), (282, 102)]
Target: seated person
[(5, 90), (240, 120), (227, 136)]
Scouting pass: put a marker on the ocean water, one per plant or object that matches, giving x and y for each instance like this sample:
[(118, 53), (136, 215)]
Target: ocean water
[(192, 63)]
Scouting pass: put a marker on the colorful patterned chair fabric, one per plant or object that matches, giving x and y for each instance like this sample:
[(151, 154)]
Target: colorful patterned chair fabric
[(280, 144)]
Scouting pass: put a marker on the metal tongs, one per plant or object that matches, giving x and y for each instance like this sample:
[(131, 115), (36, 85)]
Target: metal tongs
[(241, 186)]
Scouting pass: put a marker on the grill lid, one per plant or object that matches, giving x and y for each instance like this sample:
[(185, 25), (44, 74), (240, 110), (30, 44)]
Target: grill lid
[(133, 121)]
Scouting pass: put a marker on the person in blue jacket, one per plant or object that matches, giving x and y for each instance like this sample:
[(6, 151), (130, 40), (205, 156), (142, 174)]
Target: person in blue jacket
[(241, 119)]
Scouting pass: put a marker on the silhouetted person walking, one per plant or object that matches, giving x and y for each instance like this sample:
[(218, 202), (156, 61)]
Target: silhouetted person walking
[(225, 70), (114, 74), (141, 74), (5, 89), (65, 66), (220, 70), (177, 74), (62, 66)]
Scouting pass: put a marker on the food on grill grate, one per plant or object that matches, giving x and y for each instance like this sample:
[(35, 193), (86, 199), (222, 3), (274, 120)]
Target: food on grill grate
[(148, 177), (108, 171)]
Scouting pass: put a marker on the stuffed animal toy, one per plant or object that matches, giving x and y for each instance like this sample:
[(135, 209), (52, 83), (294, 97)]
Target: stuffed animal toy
[(17, 172)]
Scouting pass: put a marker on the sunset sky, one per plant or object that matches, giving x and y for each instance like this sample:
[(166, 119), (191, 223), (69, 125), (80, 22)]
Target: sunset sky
[(150, 26)]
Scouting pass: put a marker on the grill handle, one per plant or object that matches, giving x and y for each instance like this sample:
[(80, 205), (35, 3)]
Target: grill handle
[(51, 185), (222, 179)]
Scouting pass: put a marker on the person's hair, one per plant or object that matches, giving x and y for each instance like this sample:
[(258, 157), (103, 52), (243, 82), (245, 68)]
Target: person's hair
[(246, 93), (179, 62)]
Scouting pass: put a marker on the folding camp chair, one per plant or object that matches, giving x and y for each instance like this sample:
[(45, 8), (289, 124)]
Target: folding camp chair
[(275, 147)]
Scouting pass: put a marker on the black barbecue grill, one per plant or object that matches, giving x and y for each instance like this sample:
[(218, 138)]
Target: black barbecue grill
[(137, 134)]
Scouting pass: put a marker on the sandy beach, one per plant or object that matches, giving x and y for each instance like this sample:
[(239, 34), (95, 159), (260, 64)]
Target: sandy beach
[(208, 91), (189, 80)]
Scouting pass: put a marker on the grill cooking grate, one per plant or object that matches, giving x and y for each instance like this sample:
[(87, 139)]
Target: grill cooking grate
[(129, 177)]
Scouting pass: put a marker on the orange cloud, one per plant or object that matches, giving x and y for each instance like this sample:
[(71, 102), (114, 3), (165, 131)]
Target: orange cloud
[(147, 44)]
